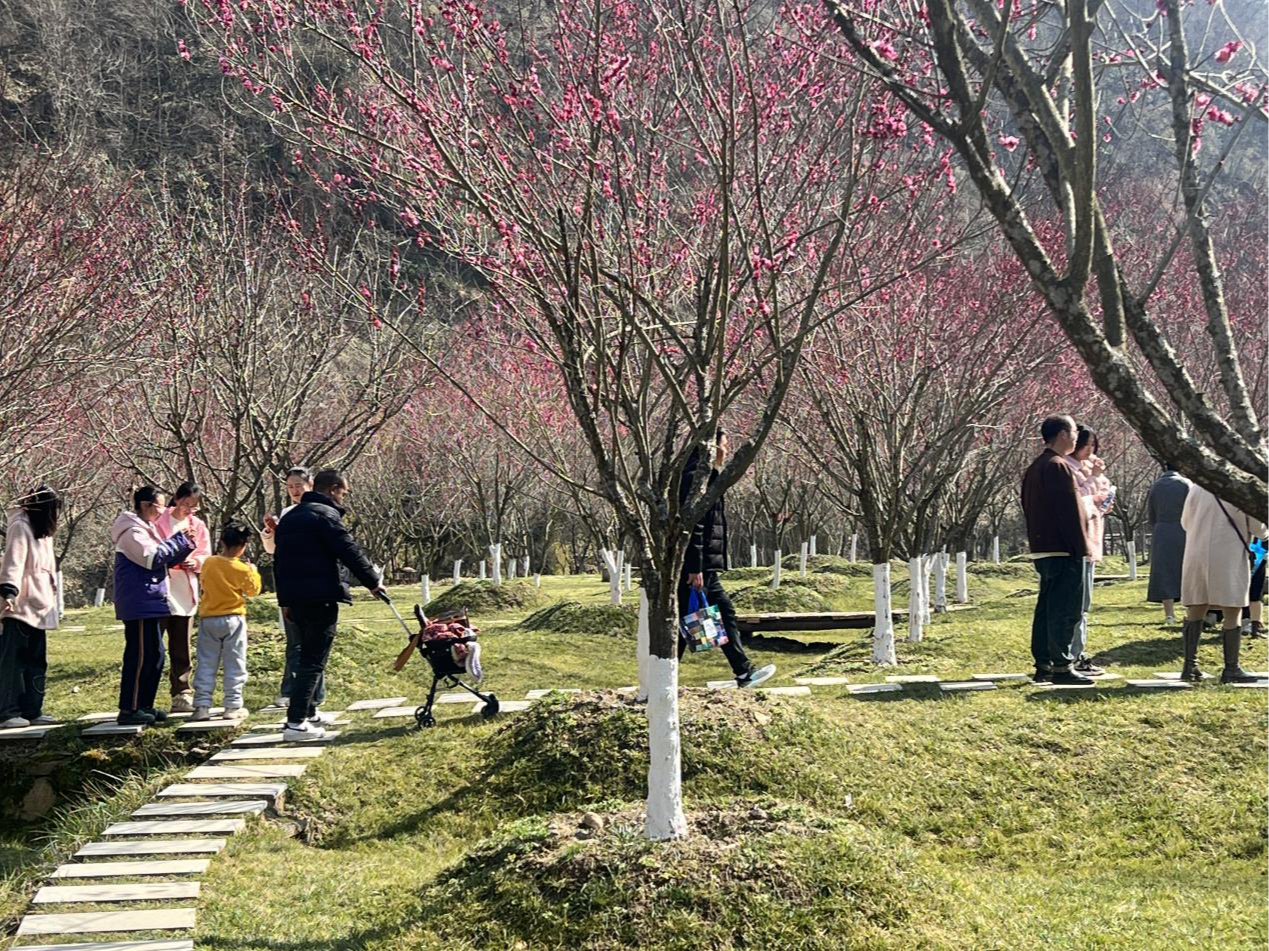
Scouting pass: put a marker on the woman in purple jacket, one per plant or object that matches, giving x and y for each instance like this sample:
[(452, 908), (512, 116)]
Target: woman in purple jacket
[(142, 559)]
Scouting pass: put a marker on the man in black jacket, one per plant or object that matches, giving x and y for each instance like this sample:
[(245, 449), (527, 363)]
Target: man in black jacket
[(705, 557), (312, 547)]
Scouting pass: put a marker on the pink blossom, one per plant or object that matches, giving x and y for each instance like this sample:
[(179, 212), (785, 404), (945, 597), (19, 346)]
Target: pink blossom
[(1008, 142), (886, 50), (1226, 52), (183, 50), (1220, 115)]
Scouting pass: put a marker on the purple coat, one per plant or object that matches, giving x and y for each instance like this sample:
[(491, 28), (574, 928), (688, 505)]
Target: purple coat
[(142, 559)]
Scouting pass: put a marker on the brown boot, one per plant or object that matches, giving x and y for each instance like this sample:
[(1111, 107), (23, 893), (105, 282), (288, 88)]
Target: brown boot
[(1232, 641), (1191, 631)]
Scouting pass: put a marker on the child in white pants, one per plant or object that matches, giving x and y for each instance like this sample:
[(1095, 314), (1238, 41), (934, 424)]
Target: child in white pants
[(222, 623)]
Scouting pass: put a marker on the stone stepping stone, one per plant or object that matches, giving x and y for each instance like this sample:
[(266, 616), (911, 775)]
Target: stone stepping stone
[(227, 807), (182, 945), (130, 869), (261, 790), (1262, 674), (800, 691), (147, 891), (1259, 684), (376, 704), (388, 713), (1159, 684), (821, 681), (721, 684), (454, 698), (1059, 687), (72, 627), (206, 726), (627, 690), (272, 739), (178, 827), (966, 685), (546, 691), (113, 729), (1103, 677), (27, 732), (95, 922), (1002, 678), (101, 717), (505, 706), (1174, 675), (863, 689), (153, 847), (247, 771), (912, 679), (281, 752), (276, 725)]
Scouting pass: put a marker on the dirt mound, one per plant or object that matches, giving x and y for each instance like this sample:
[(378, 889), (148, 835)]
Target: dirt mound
[(573, 617), (761, 599), (484, 597)]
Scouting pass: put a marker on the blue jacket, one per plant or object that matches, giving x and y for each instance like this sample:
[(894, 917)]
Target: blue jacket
[(142, 559)]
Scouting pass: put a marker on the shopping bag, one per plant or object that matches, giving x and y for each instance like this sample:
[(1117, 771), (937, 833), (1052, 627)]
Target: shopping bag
[(702, 629)]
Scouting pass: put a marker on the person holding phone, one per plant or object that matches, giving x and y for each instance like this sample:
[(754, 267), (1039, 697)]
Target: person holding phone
[(298, 481), (183, 590)]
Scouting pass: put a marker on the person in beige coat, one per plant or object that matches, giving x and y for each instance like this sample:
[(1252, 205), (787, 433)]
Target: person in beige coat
[(1215, 574)]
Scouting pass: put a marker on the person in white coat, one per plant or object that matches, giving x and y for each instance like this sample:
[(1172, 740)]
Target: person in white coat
[(1215, 574)]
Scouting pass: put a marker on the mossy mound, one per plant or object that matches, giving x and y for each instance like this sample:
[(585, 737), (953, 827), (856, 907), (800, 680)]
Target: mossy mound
[(745, 876), (484, 597), (762, 599), (746, 574), (829, 585), (570, 752), (573, 617), (260, 611), (1007, 569)]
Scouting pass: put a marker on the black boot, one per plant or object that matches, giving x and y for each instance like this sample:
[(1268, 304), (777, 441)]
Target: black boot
[(1191, 631), (1232, 641)]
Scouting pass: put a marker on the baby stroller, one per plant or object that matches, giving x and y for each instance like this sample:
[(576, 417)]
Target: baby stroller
[(439, 640)]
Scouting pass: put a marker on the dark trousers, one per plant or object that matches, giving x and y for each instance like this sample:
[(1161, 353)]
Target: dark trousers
[(23, 665), (1057, 611), (178, 650), (714, 594), (142, 664), (315, 624), (292, 664)]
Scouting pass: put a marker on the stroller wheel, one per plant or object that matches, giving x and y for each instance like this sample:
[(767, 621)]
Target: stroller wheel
[(490, 709), (423, 717)]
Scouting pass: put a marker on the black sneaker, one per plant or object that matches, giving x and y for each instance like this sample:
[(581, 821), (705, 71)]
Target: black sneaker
[(1257, 630), (756, 677), (134, 718), (1042, 675), (157, 716), (1069, 678), (1085, 665)]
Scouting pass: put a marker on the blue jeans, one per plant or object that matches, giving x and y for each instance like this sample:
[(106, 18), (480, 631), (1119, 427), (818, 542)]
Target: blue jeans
[(1080, 640), (292, 664), (1057, 611), (221, 640)]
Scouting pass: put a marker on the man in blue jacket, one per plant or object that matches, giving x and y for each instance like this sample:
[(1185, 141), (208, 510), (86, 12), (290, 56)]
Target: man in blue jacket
[(312, 546)]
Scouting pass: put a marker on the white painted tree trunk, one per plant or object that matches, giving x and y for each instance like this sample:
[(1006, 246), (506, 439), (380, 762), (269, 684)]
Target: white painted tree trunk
[(665, 819), (812, 546), (61, 597), (425, 588), (281, 619), (99, 598), (753, 556), (482, 569), (854, 547), (806, 550), (1130, 549), (927, 569), (495, 562), (915, 612), (962, 578), (883, 623), (458, 572), (511, 569), (940, 583), (614, 575), (524, 566), (775, 571), (642, 639), (537, 581), (629, 577), (995, 549)]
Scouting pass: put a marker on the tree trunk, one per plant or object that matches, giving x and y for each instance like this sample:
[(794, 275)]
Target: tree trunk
[(883, 623), (664, 818)]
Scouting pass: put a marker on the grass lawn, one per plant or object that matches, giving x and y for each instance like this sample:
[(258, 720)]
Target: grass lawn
[(1107, 819)]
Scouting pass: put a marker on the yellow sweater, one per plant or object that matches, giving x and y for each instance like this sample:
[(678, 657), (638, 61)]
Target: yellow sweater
[(227, 583)]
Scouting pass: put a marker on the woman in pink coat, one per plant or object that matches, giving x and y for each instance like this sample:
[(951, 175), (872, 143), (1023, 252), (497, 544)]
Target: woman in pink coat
[(182, 589), (28, 606)]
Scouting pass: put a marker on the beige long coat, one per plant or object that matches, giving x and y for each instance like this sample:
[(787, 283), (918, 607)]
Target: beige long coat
[(1216, 570)]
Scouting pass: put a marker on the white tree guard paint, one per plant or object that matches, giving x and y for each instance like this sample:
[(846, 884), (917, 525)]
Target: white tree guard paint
[(883, 623), (753, 556), (629, 577), (775, 571), (806, 550), (940, 582), (61, 596), (927, 568), (962, 578), (425, 588), (995, 549), (642, 639), (511, 569), (281, 619), (537, 581), (495, 561), (1131, 551), (665, 819), (482, 569), (458, 571), (614, 575), (99, 598), (854, 546), (812, 546), (524, 566), (915, 612)]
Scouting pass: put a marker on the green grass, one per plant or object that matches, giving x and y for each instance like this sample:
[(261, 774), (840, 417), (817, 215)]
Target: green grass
[(1010, 820)]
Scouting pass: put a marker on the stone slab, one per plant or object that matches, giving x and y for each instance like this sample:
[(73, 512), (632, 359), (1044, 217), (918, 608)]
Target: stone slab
[(249, 790), (389, 713), (180, 945), (273, 739), (248, 771), (1061, 687), (454, 698), (1174, 675), (862, 689), (145, 891), (627, 690), (1100, 678), (1262, 674), (963, 686), (95, 922), (71, 628), (505, 706), (1002, 678), (1259, 684), (223, 807), (26, 732), (112, 729), (376, 704), (178, 827), (207, 726), (276, 725), (721, 684), (912, 679), (282, 752), (1159, 684), (799, 691), (130, 869), (544, 691), (152, 847), (100, 717), (821, 681)]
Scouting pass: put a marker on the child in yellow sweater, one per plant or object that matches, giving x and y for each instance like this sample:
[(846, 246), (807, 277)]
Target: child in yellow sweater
[(227, 582)]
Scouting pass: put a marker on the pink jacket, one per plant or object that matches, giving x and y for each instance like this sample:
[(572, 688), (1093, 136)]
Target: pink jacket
[(30, 567), (1092, 490), (182, 585)]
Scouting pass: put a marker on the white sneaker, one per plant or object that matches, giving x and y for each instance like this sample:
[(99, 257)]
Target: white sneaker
[(322, 719), (182, 703), (14, 722), (43, 720), (236, 713), (200, 713), (302, 732), (756, 677), (281, 701)]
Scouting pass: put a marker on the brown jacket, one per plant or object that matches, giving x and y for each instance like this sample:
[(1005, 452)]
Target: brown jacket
[(1056, 520)]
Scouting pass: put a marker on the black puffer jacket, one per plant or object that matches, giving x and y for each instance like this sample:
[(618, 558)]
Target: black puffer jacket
[(312, 545), (707, 548)]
